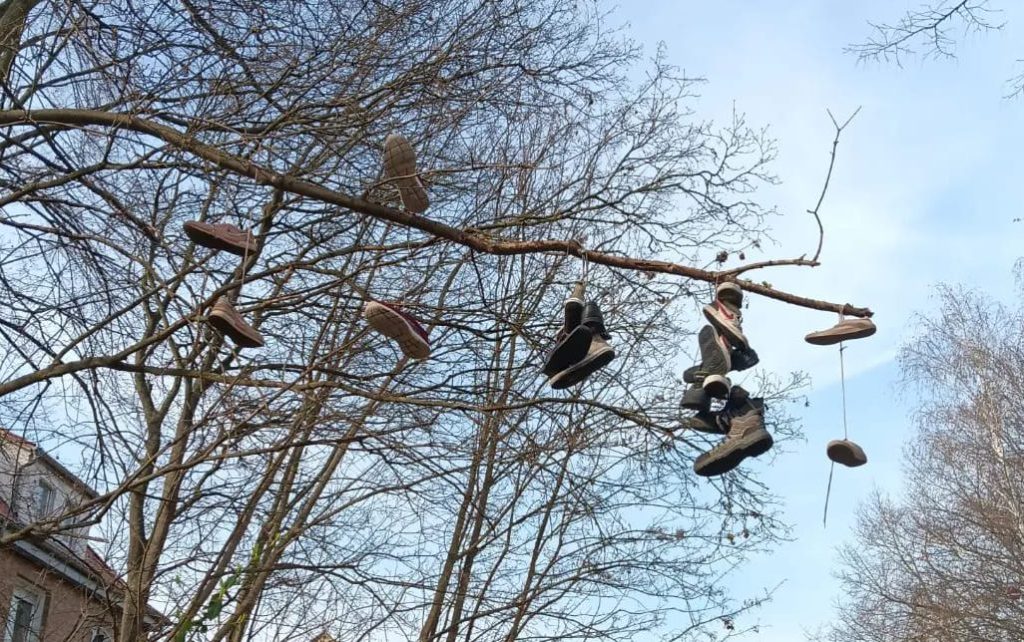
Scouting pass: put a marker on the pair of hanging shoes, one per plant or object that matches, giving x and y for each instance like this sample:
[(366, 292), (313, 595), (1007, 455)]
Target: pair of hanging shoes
[(742, 423), (224, 317), (393, 322), (581, 346)]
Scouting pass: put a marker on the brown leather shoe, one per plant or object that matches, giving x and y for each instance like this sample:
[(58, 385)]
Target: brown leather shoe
[(845, 330), (221, 236), (225, 318), (400, 167), (845, 452)]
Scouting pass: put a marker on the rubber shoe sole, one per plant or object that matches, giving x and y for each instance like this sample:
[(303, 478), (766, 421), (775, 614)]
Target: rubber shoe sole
[(396, 327), (230, 323), (846, 452), (572, 349), (754, 444), (400, 167), (580, 371)]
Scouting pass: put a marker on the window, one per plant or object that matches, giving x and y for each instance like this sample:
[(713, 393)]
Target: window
[(99, 635), (25, 618), (44, 499)]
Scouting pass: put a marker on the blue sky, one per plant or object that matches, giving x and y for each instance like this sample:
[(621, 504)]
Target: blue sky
[(925, 190)]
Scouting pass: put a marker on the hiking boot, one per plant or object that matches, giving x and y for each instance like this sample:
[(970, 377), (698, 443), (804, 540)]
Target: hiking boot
[(694, 398), (400, 168), (728, 320), (704, 422), (229, 322), (845, 330), (221, 236), (598, 355), (845, 452), (743, 417), (573, 340), (393, 323)]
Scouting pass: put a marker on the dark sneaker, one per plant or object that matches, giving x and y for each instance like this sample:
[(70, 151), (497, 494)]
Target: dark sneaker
[(744, 359), (704, 422), (573, 340), (845, 452), (743, 417), (221, 236), (598, 355), (400, 167), (694, 398), (393, 323), (230, 323), (845, 330), (715, 363)]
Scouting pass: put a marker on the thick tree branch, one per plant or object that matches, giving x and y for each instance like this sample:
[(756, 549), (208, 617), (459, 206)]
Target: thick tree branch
[(469, 237)]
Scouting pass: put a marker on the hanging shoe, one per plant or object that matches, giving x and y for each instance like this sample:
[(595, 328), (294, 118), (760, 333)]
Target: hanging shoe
[(221, 236), (845, 330), (846, 452), (400, 166), (598, 355), (704, 422), (715, 362), (393, 323), (694, 398), (743, 359), (730, 293), (743, 417), (573, 340), (229, 322), (725, 315)]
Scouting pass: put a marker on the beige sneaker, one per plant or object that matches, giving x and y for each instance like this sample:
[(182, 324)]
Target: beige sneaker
[(228, 321), (845, 452), (845, 330), (221, 236), (400, 168), (394, 323)]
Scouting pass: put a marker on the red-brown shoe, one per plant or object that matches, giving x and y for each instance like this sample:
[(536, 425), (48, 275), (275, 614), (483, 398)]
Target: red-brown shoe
[(400, 167), (221, 236), (395, 324), (845, 452), (225, 318), (845, 330)]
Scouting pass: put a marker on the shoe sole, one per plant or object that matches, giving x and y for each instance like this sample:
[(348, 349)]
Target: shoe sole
[(716, 386), (725, 327), (200, 236), (579, 372), (754, 444), (572, 349), (842, 455), (247, 337), (400, 167), (832, 339), (394, 326), (715, 357)]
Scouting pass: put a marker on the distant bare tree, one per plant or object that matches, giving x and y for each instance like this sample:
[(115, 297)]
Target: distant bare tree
[(323, 483), (945, 559), (932, 31)]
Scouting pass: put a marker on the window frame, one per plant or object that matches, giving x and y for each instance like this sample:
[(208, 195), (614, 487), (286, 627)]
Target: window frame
[(44, 489), (35, 597)]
